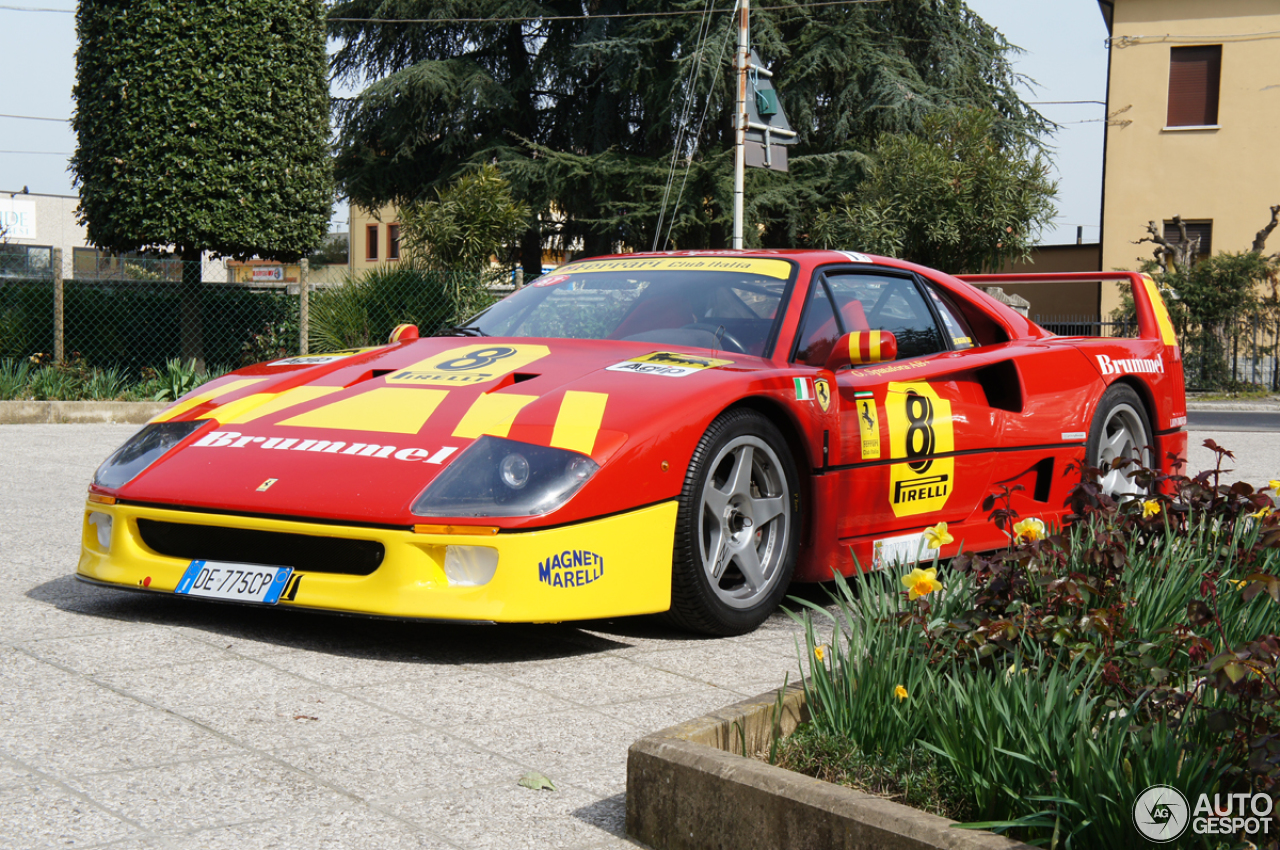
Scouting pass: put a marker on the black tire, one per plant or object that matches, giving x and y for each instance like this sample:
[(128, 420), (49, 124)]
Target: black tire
[(1120, 429), (734, 556)]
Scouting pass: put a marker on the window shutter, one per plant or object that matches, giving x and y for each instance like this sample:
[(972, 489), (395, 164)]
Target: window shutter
[(1195, 74), (1203, 229)]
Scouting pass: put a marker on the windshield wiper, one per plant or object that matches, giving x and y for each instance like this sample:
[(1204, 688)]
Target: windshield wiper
[(461, 331)]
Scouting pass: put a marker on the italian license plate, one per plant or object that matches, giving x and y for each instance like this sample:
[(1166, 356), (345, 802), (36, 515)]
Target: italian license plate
[(241, 582)]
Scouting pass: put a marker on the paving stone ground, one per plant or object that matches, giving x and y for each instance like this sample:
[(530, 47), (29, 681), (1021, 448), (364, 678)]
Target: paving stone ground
[(131, 721)]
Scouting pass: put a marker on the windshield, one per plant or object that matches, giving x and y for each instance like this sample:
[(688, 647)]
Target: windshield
[(721, 303)]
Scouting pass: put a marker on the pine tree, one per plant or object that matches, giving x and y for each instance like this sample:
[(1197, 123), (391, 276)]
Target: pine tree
[(583, 114)]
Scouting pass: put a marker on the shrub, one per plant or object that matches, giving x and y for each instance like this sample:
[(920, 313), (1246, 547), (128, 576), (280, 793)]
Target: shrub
[(364, 310), (1061, 676)]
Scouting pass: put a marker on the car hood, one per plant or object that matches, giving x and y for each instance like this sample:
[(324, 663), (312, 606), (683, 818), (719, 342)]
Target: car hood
[(356, 436)]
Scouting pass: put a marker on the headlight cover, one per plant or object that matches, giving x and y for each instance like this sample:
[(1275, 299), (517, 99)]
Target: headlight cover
[(141, 450), (500, 477)]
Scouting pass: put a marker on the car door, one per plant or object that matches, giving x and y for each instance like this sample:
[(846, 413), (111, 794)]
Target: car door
[(916, 432)]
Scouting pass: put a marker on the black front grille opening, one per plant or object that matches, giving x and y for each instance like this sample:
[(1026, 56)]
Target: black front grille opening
[(303, 552)]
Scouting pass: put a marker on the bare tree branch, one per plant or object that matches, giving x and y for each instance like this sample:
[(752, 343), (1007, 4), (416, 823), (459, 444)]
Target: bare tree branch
[(1260, 241), (1178, 253)]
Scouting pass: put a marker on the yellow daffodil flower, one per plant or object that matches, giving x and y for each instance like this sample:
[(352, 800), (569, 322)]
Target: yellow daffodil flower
[(1274, 486), (900, 692), (937, 537), (1029, 529), (1150, 508), (820, 653), (1261, 513), (1238, 582), (921, 582)]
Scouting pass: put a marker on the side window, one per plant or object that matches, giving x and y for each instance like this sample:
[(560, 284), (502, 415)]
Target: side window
[(957, 327), (820, 330), (887, 303)]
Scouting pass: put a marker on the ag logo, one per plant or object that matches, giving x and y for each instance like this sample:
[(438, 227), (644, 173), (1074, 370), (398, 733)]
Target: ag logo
[(668, 364), (822, 390), (468, 364), (1160, 813), (920, 428)]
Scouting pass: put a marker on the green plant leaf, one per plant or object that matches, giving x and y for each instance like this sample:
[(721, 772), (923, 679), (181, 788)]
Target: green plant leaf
[(536, 781)]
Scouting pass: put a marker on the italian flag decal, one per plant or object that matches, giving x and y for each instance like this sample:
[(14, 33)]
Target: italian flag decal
[(804, 389)]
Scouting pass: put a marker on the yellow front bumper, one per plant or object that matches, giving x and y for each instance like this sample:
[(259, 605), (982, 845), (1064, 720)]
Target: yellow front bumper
[(630, 572)]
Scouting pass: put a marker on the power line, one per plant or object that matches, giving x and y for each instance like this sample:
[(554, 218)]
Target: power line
[(50, 153), (36, 9), (1047, 102), (34, 117), (517, 20)]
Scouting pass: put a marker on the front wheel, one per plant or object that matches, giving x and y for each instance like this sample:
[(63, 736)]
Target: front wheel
[(1120, 431), (737, 528)]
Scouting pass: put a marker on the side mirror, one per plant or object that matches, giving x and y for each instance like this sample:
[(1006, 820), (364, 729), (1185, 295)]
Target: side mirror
[(859, 348), (403, 333)]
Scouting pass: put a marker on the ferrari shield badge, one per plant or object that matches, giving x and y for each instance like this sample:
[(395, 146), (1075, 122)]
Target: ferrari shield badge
[(822, 390)]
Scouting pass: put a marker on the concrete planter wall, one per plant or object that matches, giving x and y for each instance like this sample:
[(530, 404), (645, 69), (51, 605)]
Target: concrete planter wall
[(83, 412), (689, 788)]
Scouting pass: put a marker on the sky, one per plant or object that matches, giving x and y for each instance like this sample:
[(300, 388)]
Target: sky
[(1063, 39)]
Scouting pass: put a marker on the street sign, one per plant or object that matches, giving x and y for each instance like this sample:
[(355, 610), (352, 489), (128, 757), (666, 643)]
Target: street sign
[(774, 157), (766, 119)]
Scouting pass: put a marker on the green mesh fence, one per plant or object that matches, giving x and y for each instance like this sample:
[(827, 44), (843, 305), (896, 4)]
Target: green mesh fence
[(138, 318)]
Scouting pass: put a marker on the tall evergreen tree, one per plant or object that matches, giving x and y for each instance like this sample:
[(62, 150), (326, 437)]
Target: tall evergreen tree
[(203, 126), (583, 111)]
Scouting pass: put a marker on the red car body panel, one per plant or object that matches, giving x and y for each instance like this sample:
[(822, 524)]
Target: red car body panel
[(1014, 409)]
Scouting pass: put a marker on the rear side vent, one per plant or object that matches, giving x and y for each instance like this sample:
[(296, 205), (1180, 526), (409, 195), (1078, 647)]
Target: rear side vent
[(1001, 385), (1044, 478)]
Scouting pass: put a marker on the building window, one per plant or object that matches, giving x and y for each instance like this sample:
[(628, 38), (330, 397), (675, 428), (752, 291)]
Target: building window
[(1194, 76), (393, 241), (371, 241), (1202, 229)]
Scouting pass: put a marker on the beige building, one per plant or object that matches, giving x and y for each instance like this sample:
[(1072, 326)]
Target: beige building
[(1058, 303), (375, 237), (1193, 108)]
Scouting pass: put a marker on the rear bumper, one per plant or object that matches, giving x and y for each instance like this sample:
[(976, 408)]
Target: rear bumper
[(623, 567)]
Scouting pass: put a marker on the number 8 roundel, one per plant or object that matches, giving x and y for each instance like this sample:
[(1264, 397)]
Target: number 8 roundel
[(920, 429)]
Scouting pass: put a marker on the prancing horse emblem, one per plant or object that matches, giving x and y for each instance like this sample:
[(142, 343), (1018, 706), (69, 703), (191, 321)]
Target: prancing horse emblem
[(823, 391), (266, 485)]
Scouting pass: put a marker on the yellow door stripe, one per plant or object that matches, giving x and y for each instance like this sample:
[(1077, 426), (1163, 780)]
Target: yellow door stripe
[(579, 421), (492, 413), (259, 405), (394, 410), (204, 395)]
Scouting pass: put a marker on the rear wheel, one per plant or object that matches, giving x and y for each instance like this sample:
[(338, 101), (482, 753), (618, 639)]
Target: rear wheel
[(1120, 430), (737, 529)]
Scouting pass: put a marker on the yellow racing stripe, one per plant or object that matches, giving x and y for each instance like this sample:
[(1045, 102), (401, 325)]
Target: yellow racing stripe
[(579, 420), (259, 405), (492, 413), (394, 410), (1167, 333), (202, 396)]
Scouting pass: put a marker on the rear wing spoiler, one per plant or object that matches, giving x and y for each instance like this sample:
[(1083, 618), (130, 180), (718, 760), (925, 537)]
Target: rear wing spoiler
[(1153, 316)]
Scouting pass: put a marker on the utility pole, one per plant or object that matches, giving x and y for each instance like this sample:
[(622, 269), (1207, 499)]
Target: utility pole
[(740, 123)]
